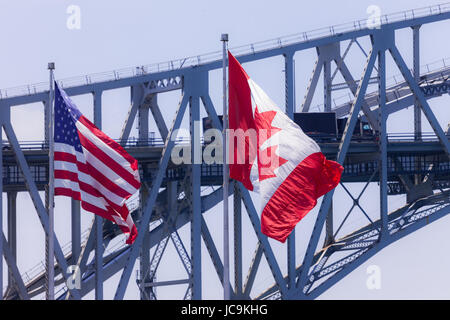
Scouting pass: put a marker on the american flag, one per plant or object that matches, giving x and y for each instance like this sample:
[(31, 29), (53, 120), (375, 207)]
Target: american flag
[(91, 167)]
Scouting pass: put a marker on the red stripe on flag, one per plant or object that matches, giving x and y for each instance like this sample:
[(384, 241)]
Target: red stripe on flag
[(64, 156), (298, 194), (111, 163), (68, 193), (104, 181), (87, 169), (123, 211), (132, 236), (107, 215), (96, 210), (96, 193), (111, 143), (66, 175)]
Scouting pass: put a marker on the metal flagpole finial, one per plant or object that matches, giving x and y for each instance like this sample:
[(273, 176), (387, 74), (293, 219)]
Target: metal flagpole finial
[(224, 37), (51, 66)]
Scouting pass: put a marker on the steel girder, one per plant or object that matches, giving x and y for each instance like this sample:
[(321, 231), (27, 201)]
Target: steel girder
[(193, 81)]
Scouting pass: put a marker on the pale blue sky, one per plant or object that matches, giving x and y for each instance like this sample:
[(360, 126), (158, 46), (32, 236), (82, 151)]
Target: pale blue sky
[(121, 34)]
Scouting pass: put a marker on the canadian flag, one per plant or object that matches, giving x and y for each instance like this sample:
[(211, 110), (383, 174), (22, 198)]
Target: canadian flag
[(269, 152)]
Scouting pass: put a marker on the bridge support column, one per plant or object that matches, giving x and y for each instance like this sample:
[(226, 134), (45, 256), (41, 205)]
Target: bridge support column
[(143, 129), (12, 231), (327, 85), (382, 143), (326, 54), (136, 94), (417, 110), (301, 284), (143, 126), (329, 228), (76, 230), (151, 199), (146, 292), (330, 53), (196, 85), (195, 207), (98, 225), (289, 74), (416, 69), (1, 211), (237, 204), (290, 108)]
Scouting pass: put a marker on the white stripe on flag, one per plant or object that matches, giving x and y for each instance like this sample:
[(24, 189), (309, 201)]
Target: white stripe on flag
[(104, 147), (108, 172), (82, 177), (62, 147), (98, 202)]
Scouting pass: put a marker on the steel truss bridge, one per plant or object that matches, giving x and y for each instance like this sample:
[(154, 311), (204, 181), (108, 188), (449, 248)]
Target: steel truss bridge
[(175, 196)]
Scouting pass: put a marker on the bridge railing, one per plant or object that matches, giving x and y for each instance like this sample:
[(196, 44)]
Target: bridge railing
[(217, 55), (159, 142), (131, 142)]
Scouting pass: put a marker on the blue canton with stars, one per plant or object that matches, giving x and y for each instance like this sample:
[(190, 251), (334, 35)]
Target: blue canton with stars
[(66, 115)]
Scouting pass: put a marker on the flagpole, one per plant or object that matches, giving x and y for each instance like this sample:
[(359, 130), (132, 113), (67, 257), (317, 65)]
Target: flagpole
[(50, 233), (226, 237)]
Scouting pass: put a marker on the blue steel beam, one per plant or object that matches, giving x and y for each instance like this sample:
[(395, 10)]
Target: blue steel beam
[(289, 74), (213, 253), (405, 219), (181, 250), (147, 267), (375, 249), (420, 96), (342, 151), (11, 262), (288, 52), (251, 55), (172, 209), (37, 201), (97, 96), (159, 119), (75, 230), (137, 96), (400, 103), (321, 41), (383, 143), (253, 269), (353, 87), (194, 198), (196, 84), (416, 68), (267, 249), (147, 276), (237, 210), (312, 85), (355, 201), (289, 106), (2, 118), (135, 248), (120, 258)]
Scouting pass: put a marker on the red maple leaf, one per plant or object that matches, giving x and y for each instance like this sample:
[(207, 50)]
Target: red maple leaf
[(268, 160)]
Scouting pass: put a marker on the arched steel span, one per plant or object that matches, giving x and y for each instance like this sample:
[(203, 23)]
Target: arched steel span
[(415, 167)]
